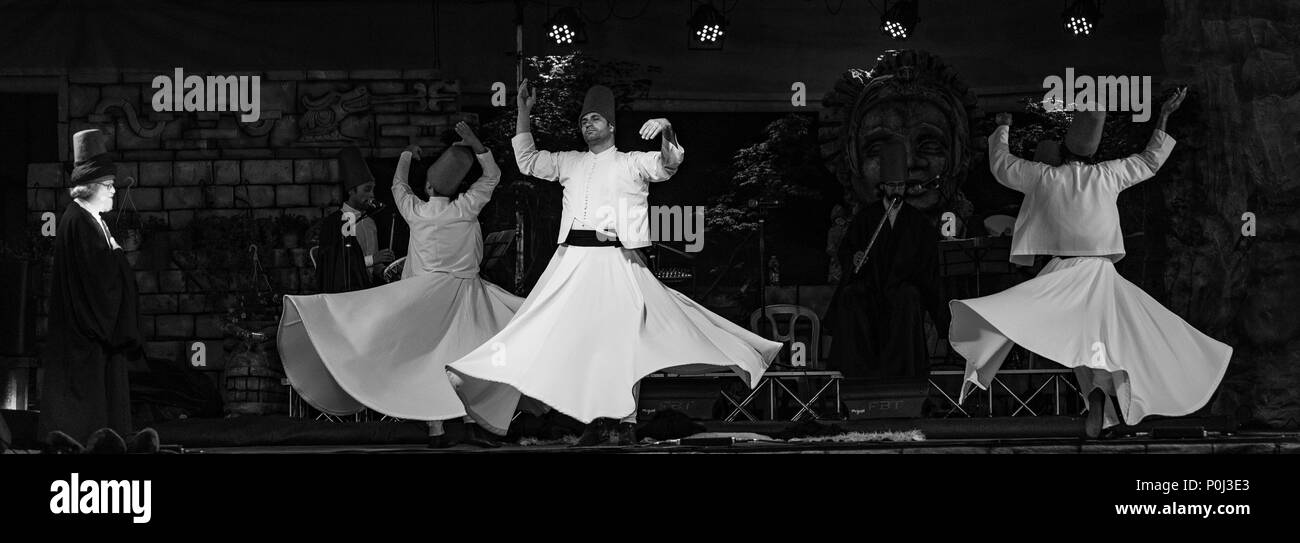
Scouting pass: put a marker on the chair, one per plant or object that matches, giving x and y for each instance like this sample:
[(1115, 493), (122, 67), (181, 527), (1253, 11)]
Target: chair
[(795, 312), (774, 379), (1000, 225), (393, 272), (496, 245)]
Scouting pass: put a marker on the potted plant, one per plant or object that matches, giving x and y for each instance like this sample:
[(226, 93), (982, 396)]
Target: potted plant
[(291, 229), (152, 227), (126, 226), (23, 265)]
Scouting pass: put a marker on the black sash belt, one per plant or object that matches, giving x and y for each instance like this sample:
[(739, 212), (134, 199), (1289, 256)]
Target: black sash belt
[(588, 238)]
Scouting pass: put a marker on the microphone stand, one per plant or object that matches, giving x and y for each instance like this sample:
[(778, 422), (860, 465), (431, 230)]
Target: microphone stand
[(347, 246), (762, 267), (392, 230), (762, 255)]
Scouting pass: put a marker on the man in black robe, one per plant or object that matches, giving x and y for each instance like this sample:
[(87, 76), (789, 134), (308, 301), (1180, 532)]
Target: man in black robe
[(876, 315), (94, 317), (349, 258), (341, 265)]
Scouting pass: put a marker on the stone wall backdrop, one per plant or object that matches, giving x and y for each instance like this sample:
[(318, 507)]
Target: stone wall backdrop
[(207, 186), (1239, 153)]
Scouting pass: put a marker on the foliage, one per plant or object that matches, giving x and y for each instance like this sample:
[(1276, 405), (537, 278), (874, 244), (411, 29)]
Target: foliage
[(780, 168), (1120, 136)]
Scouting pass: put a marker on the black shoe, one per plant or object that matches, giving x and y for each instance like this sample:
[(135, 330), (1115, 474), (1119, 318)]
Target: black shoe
[(1096, 414), (105, 441), (479, 437), (597, 432), (625, 435), (145, 441), (439, 442), (60, 443)]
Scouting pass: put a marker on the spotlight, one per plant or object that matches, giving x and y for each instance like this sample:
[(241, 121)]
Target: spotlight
[(1080, 17), (899, 21), (708, 28), (566, 27)]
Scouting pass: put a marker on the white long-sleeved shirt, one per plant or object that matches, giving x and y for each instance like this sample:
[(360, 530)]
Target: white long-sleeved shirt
[(1070, 210), (445, 234), (367, 234), (607, 191)]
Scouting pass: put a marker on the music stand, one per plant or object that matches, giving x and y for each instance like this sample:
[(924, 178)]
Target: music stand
[(975, 256), (495, 247), (673, 275)]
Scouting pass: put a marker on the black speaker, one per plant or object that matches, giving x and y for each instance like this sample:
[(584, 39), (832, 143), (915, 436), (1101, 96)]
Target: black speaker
[(5, 436), (693, 396), (883, 399), (18, 313), (22, 428)]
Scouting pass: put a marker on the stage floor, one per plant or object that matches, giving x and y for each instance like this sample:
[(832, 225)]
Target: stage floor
[(996, 435), (1040, 435), (1241, 443)]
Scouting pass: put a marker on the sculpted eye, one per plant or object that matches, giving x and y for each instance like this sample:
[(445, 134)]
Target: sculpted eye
[(931, 147)]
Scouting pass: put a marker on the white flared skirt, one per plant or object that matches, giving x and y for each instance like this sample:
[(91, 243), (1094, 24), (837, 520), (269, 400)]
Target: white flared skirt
[(1081, 313), (386, 348), (596, 323)]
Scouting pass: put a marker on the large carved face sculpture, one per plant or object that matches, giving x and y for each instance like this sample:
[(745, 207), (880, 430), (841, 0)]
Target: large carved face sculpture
[(911, 97), (926, 134)]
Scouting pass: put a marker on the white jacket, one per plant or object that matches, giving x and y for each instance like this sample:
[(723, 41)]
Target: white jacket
[(606, 192), (1070, 210), (445, 233)]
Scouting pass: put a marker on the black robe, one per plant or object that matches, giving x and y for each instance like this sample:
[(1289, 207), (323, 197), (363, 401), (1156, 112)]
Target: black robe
[(94, 331), (341, 265), (876, 316)]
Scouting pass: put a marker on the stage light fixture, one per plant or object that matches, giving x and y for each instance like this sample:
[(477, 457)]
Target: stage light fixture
[(899, 21), (566, 27), (1081, 17), (708, 27)]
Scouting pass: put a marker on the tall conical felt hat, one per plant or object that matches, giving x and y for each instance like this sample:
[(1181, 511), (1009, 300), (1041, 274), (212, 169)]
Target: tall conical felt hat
[(449, 170), (600, 99), (353, 170), (91, 163), (1048, 152), (1084, 134)]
